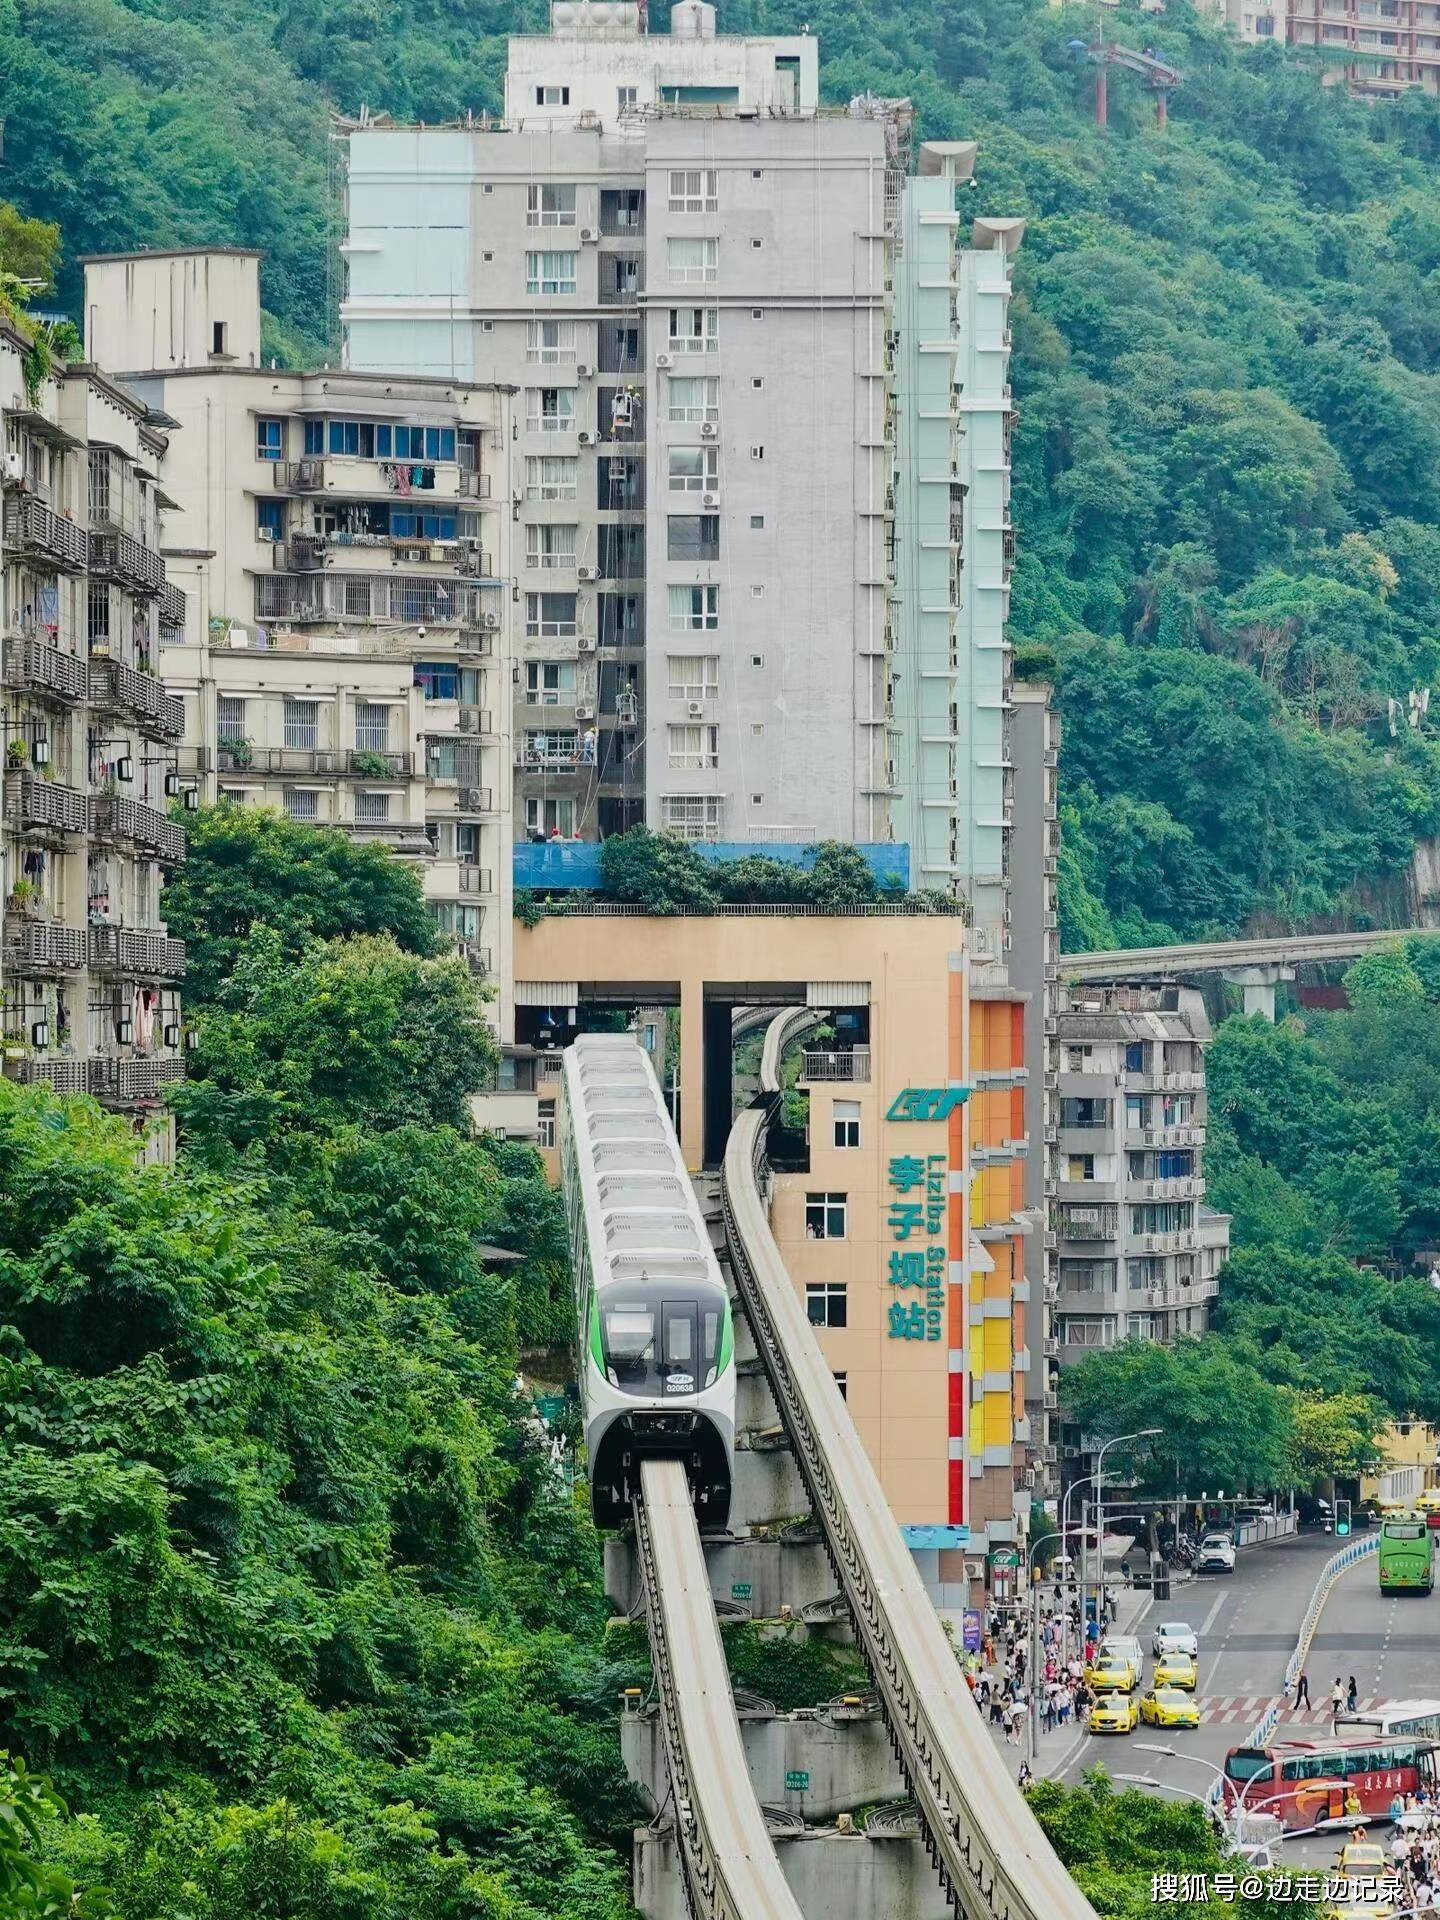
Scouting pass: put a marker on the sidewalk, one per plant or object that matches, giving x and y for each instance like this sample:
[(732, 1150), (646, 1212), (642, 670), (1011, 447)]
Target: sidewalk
[(1056, 1750)]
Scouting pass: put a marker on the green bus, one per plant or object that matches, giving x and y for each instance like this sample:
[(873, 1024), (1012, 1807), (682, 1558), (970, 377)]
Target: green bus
[(1405, 1559)]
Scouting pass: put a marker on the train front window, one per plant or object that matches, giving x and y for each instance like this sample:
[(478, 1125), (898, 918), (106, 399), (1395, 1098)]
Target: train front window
[(670, 1349)]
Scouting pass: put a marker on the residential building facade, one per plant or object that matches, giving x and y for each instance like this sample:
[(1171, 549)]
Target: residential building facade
[(1138, 1252), (681, 262), (344, 546), (1375, 47), (89, 977)]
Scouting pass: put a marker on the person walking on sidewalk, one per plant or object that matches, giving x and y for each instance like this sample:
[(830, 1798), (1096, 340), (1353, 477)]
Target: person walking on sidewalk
[(1302, 1690), (1352, 1694), (1337, 1705)]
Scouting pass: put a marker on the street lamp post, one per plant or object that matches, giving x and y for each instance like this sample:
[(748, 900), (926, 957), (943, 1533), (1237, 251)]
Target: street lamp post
[(1085, 1481), (1145, 1433)]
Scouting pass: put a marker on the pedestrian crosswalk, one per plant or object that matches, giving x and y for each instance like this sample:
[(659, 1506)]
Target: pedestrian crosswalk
[(1244, 1709)]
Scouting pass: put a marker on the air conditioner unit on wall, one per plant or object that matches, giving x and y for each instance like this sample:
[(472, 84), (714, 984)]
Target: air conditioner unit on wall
[(584, 713), (585, 643), (589, 235), (664, 360), (695, 708), (709, 499), (586, 573), (709, 430)]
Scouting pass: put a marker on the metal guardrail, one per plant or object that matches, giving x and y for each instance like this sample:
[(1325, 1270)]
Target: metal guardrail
[(993, 1859), (726, 1854)]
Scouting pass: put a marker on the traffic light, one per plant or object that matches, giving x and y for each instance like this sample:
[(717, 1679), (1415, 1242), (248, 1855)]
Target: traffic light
[(1342, 1518)]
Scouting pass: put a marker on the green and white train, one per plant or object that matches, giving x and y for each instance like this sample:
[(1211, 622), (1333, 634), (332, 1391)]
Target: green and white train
[(657, 1348)]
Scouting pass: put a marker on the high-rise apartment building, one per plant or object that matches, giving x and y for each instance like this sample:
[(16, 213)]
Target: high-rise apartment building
[(344, 544), (1377, 47), (681, 262), (89, 978), (1138, 1252)]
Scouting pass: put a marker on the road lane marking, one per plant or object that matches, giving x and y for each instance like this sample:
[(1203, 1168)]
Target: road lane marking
[(1211, 1616)]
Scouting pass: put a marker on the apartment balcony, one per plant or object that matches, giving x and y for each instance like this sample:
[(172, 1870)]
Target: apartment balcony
[(477, 880), (480, 960), (39, 1069), (1175, 1293), (34, 531), (1105, 1226), (346, 475), (1182, 1240), (351, 763), (473, 485), (407, 837), (33, 666), (140, 955), (139, 694), (351, 599), (852, 1065), (172, 606), (114, 816), (300, 476), (1182, 1134), (127, 1083), (41, 946), (1186, 1187), (1155, 1080), (116, 556), (32, 802)]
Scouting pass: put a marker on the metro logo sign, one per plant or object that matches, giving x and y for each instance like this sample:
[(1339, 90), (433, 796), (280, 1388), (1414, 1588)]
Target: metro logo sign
[(927, 1103)]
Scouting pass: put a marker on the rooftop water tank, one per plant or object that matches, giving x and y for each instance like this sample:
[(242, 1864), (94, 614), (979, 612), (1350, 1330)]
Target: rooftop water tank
[(692, 20)]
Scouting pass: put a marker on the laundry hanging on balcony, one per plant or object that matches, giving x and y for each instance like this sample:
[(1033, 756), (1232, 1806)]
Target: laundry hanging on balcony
[(50, 609)]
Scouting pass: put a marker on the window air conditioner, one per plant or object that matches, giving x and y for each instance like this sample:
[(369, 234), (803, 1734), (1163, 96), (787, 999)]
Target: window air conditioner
[(489, 622), (709, 430), (467, 720), (12, 469)]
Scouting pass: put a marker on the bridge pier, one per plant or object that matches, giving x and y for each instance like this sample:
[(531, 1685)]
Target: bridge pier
[(1257, 986)]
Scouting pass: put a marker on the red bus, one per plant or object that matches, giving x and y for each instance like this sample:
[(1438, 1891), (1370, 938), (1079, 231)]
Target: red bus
[(1307, 1784)]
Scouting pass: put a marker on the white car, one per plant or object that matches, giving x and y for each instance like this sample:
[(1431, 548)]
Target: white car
[(1216, 1555), (1174, 1636)]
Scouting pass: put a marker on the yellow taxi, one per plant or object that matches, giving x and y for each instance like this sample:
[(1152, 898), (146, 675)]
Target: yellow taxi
[(1115, 1713), (1111, 1675), (1362, 1860), (1169, 1707), (1174, 1670)]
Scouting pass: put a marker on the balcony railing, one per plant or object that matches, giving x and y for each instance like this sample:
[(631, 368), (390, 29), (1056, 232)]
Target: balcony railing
[(473, 485), (1103, 1227), (298, 476), (407, 599), (560, 759), (34, 666), (63, 1076), (115, 816), (354, 762), (30, 802), (851, 1065), (42, 946), (32, 528), (172, 606), (125, 1082), (145, 955), (141, 694), (119, 557)]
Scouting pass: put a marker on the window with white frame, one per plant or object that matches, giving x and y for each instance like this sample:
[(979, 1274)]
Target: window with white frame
[(693, 676), (693, 816), (372, 726), (694, 609), (551, 206), (371, 808), (691, 262), (548, 274), (230, 717), (233, 796), (552, 96), (550, 813), (545, 1120), (693, 749), (302, 724), (550, 409), (825, 1303), (552, 476), (626, 97), (825, 1216), (694, 469), (551, 616), (550, 683), (550, 546), (694, 329), (694, 191), (691, 398), (846, 1115), (548, 342), (302, 803)]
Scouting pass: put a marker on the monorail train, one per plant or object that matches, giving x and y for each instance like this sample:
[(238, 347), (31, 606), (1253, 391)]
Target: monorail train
[(657, 1349)]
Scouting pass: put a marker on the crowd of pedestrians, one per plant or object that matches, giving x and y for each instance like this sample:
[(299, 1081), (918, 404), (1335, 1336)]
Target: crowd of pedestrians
[(1415, 1852), (1057, 1692)]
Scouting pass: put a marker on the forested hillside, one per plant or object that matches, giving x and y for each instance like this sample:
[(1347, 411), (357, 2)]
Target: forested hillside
[(1228, 461)]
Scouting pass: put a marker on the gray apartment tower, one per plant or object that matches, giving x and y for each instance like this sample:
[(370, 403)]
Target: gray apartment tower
[(681, 262)]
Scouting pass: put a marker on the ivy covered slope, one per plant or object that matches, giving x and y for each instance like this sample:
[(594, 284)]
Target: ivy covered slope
[(293, 1609)]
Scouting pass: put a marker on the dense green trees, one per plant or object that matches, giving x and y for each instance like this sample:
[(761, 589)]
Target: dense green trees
[(294, 1606)]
